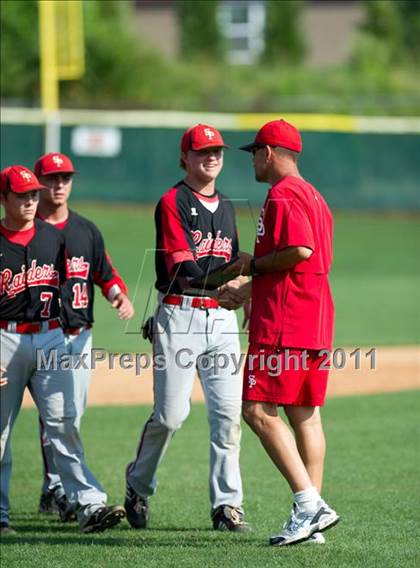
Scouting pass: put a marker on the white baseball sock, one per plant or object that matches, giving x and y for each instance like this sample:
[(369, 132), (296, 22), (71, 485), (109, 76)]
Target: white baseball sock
[(307, 500)]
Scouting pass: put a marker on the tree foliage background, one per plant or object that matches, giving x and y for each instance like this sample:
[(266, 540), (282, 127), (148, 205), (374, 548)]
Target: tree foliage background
[(200, 35), (284, 39), (122, 72)]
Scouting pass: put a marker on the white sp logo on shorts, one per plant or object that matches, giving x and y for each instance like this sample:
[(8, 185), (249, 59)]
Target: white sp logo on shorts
[(209, 133), (252, 381)]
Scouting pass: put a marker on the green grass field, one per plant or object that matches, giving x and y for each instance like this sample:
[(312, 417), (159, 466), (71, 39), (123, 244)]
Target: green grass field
[(375, 278), (371, 478)]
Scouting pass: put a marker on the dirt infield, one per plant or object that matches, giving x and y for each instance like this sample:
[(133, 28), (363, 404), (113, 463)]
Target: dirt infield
[(397, 369)]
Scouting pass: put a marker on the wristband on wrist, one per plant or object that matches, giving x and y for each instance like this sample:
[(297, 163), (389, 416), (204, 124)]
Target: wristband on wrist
[(253, 268)]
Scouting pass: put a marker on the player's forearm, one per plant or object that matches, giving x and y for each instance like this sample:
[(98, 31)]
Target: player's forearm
[(278, 261)]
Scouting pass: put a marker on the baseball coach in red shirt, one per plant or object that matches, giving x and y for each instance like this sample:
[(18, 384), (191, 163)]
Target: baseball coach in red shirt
[(290, 328)]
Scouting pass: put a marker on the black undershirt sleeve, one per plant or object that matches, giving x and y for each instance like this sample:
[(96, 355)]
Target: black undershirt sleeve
[(186, 271)]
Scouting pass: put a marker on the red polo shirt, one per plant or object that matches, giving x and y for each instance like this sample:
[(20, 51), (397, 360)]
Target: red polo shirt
[(294, 308)]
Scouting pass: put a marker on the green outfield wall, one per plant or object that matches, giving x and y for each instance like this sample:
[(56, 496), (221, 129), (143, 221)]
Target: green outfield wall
[(354, 169)]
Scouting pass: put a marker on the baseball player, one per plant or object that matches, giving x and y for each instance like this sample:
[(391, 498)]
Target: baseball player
[(195, 232), (88, 264), (291, 321), (32, 267)]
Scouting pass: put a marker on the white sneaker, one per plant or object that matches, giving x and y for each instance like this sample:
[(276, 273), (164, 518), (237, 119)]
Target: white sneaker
[(301, 524), (316, 538)]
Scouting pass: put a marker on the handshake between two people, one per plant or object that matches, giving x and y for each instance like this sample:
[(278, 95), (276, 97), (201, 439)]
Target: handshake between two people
[(236, 293)]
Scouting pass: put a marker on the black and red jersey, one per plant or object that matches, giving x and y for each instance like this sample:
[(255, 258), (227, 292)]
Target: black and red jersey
[(87, 264), (31, 275), (186, 230)]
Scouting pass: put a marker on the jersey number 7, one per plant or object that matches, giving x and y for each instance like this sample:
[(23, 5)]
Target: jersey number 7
[(46, 297)]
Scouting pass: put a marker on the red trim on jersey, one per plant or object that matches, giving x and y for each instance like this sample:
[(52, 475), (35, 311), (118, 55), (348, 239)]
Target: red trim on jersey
[(60, 226), (177, 257), (209, 199), (174, 241), (115, 280), (18, 237)]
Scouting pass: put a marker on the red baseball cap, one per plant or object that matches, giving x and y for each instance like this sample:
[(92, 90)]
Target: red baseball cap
[(19, 180), (201, 136), (54, 163), (276, 133)]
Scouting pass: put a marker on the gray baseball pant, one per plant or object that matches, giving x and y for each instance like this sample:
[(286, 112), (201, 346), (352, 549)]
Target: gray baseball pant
[(77, 345), (182, 335), (53, 394)]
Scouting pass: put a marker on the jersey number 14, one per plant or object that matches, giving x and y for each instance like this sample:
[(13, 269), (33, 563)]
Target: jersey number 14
[(80, 296)]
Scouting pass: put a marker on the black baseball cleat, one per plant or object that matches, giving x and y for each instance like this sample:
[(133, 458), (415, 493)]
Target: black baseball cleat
[(227, 518), (66, 511), (6, 529), (137, 509), (48, 503), (102, 519)]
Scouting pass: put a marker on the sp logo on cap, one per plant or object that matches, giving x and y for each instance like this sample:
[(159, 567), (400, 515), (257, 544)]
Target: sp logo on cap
[(53, 163), (18, 179), (209, 133), (26, 175), (57, 161), (201, 136)]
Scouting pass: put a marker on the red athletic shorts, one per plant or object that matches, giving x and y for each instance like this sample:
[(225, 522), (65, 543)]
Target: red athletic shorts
[(285, 376)]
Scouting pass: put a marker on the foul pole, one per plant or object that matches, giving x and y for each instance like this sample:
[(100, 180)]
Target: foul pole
[(61, 48)]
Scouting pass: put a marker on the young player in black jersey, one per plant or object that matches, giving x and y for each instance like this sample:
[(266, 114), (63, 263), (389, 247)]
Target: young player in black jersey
[(88, 264), (195, 232), (32, 270)]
